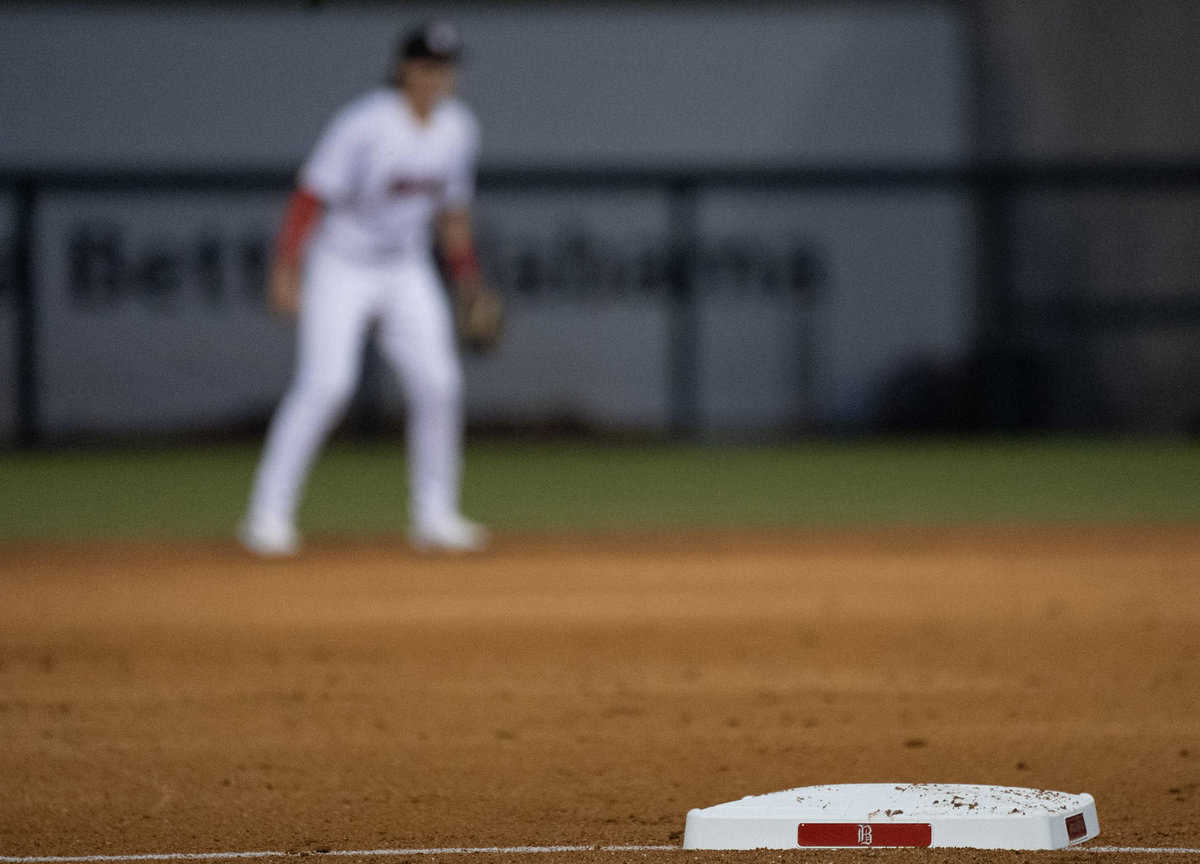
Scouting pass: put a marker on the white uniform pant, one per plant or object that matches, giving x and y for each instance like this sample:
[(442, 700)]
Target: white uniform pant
[(339, 301)]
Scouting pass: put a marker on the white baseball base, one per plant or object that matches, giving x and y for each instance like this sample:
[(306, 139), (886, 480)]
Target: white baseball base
[(867, 815)]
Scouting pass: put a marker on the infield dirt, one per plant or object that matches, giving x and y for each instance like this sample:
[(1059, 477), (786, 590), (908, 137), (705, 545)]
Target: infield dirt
[(187, 698)]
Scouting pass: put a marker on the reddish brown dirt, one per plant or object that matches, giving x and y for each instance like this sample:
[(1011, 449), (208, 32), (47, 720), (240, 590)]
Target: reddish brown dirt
[(574, 691)]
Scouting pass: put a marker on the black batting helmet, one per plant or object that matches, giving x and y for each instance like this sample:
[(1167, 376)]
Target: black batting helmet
[(434, 40)]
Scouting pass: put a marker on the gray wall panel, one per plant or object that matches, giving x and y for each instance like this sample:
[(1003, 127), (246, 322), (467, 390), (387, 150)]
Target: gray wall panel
[(162, 337), (895, 289), (624, 83)]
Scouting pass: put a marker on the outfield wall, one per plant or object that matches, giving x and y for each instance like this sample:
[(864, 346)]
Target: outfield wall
[(150, 318)]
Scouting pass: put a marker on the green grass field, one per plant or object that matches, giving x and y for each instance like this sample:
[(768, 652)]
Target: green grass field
[(358, 489)]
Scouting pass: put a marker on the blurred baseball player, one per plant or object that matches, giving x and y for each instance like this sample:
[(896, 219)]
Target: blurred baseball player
[(391, 170)]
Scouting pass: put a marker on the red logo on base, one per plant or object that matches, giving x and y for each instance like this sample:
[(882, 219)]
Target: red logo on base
[(1076, 827), (864, 834)]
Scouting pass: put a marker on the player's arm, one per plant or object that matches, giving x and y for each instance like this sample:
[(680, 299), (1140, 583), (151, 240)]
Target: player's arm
[(456, 241), (455, 235), (304, 211), (326, 179), (478, 311)]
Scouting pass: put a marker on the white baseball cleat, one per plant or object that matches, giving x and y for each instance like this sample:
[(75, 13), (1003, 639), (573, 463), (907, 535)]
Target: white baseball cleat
[(450, 534), (269, 538)]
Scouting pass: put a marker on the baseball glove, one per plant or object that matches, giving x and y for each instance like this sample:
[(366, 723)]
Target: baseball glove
[(479, 319)]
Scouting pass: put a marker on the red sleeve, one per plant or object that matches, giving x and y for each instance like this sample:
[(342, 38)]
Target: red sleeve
[(464, 265), (304, 210)]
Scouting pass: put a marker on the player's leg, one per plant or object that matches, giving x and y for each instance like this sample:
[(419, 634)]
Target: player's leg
[(337, 304), (417, 337)]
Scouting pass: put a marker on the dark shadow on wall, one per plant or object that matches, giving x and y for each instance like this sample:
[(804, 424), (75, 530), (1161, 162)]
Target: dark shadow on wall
[(1010, 391)]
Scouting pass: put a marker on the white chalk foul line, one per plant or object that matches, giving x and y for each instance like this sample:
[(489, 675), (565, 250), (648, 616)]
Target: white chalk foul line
[(459, 850), (1140, 850), (343, 853)]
